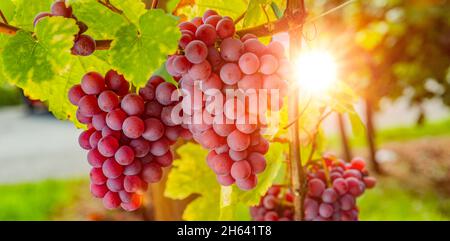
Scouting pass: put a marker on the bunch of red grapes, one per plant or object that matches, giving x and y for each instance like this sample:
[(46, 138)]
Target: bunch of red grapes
[(274, 206), (84, 45), (331, 195), (212, 61), (128, 137)]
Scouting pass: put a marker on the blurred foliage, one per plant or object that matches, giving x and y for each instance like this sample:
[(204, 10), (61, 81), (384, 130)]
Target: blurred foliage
[(387, 46), (399, 133), (390, 201), (36, 201)]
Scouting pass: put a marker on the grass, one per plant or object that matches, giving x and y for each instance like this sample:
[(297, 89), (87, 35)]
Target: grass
[(36, 201), (389, 201), (428, 129)]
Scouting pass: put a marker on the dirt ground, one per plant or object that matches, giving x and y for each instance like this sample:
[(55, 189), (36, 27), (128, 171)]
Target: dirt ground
[(422, 163)]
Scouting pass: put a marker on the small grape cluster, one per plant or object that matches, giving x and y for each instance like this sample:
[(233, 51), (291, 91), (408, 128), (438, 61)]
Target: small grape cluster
[(331, 196), (84, 45), (128, 143), (212, 61), (275, 205)]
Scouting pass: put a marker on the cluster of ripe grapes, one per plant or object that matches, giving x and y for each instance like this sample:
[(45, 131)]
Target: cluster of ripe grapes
[(84, 45), (128, 143), (212, 61), (331, 195), (275, 205)]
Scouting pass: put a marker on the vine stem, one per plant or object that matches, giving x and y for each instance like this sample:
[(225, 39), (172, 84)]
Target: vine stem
[(295, 8), (110, 6), (288, 22), (154, 4), (8, 29), (3, 17)]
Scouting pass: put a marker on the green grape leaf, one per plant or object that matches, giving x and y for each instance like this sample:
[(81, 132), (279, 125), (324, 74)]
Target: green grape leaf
[(203, 208), (132, 9), (38, 58), (54, 91), (58, 99), (231, 8), (235, 212), (216, 202), (138, 51), (3, 40), (358, 127), (102, 22), (171, 5), (257, 10), (341, 98), (162, 72), (26, 10), (276, 10), (184, 180), (232, 196), (8, 9)]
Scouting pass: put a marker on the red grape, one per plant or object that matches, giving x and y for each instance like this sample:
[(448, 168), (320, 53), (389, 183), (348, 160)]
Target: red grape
[(108, 145), (241, 170), (231, 49), (225, 28), (59, 8), (88, 106), (133, 127), (154, 129), (111, 200), (112, 169), (207, 34), (196, 51), (92, 83), (108, 100), (152, 172), (124, 155), (133, 104), (249, 63), (84, 45), (75, 94)]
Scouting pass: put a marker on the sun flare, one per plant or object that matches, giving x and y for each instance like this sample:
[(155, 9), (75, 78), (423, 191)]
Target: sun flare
[(316, 71)]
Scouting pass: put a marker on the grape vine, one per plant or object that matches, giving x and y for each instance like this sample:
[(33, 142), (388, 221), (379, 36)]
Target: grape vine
[(333, 187), (132, 116), (127, 143)]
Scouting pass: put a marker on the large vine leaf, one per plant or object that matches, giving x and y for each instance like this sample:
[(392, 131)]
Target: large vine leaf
[(26, 10), (3, 40), (256, 12), (171, 5), (8, 8), (42, 65), (58, 99), (137, 51), (191, 175), (232, 197), (231, 8), (39, 58), (102, 22), (132, 9)]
